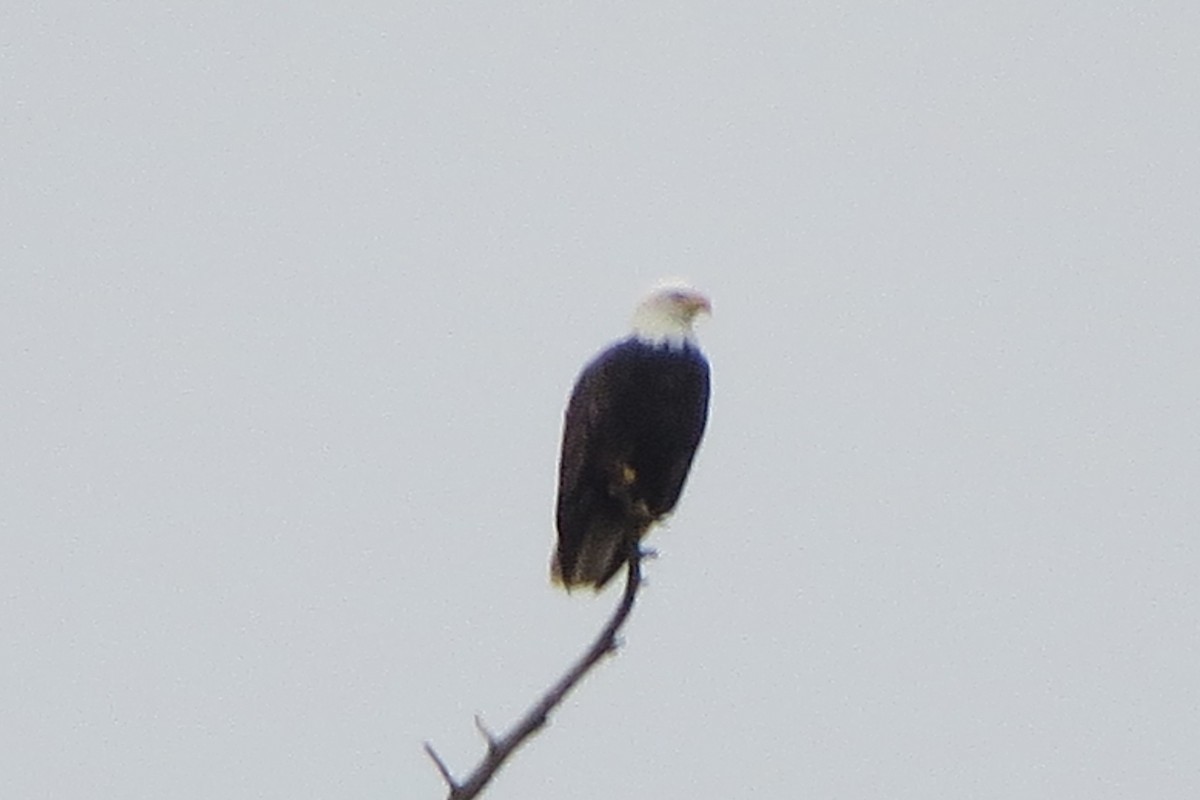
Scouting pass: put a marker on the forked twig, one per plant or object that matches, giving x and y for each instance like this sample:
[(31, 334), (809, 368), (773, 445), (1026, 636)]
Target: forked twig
[(500, 748)]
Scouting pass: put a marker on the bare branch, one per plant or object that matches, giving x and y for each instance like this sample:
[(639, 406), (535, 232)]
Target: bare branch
[(499, 749)]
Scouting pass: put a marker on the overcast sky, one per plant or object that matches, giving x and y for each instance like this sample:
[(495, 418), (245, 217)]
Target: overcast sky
[(292, 297)]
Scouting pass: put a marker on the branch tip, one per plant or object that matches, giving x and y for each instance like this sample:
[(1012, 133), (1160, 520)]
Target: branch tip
[(442, 768), (487, 735)]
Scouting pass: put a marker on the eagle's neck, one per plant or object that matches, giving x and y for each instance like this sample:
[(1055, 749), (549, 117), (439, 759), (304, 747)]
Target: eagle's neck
[(652, 327)]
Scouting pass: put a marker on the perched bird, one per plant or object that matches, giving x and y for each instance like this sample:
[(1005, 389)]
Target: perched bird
[(632, 426)]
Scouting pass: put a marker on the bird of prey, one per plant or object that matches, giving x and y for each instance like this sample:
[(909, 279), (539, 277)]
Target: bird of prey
[(633, 423)]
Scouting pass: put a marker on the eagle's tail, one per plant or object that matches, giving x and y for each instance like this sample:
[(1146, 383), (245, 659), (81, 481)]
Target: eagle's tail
[(597, 557)]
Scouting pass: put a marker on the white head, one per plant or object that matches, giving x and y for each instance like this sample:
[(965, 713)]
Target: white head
[(666, 315)]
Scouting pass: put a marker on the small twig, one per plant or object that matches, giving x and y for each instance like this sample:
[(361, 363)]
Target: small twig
[(442, 768), (487, 735), (500, 748)]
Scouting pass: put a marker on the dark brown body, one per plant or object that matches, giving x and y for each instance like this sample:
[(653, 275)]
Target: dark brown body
[(632, 426)]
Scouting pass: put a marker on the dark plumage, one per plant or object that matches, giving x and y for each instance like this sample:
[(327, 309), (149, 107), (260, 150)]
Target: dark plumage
[(635, 418)]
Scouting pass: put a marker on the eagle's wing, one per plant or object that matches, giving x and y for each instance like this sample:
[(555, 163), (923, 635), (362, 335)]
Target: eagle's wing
[(577, 494)]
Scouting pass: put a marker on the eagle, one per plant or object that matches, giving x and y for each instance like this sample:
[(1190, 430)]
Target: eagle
[(631, 429)]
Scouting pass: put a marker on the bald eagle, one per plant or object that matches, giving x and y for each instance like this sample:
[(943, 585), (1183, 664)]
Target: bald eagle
[(630, 432)]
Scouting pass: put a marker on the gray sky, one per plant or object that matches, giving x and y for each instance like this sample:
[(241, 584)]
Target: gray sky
[(292, 297)]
